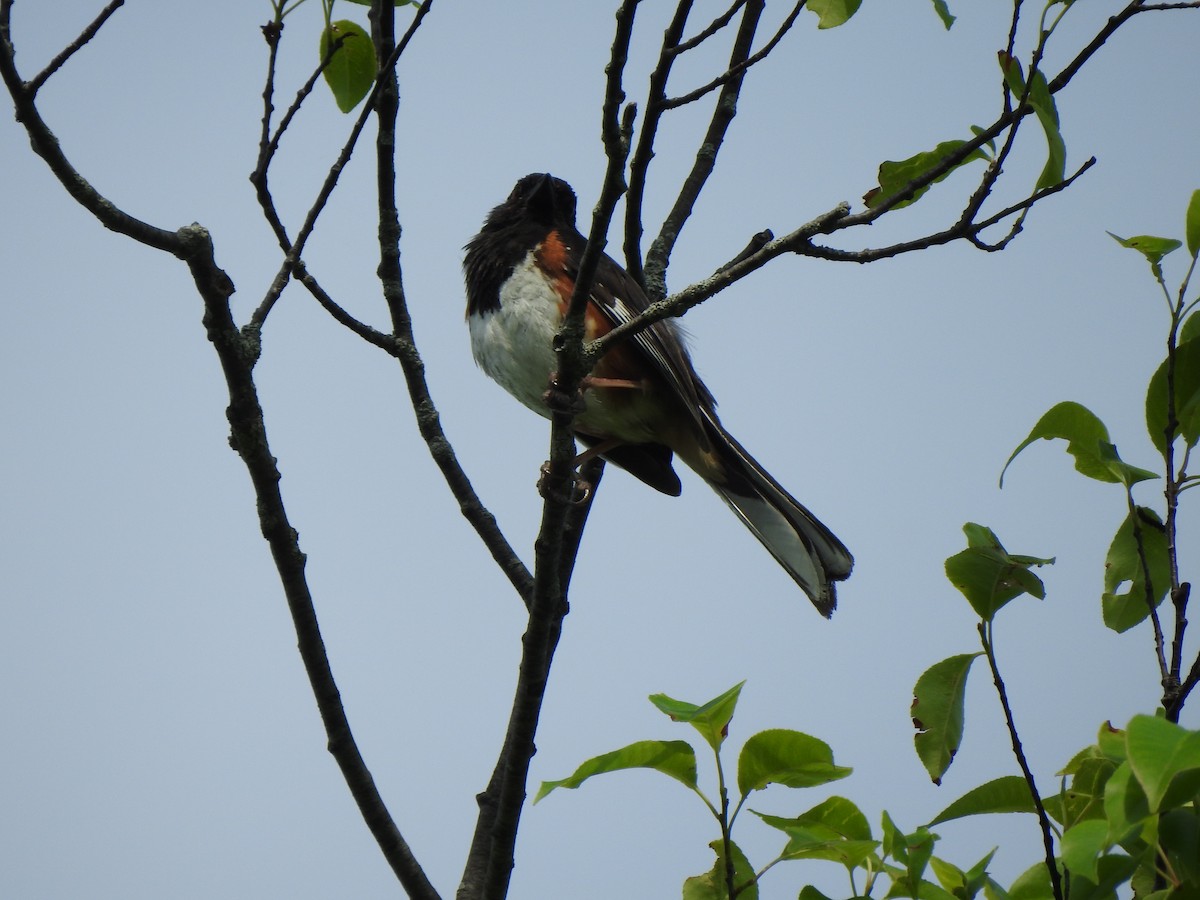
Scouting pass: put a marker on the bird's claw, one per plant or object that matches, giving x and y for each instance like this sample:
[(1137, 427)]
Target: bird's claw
[(580, 492)]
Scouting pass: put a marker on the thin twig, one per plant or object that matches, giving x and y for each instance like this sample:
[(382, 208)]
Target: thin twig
[(35, 83), (741, 67), (724, 109), (1019, 753)]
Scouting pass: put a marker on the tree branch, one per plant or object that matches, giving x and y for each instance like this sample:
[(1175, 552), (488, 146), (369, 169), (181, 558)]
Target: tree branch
[(725, 108), (1019, 753)]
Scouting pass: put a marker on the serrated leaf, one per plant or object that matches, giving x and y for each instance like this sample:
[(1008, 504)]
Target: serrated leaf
[(674, 758), (1008, 794), (990, 577), (712, 885), (1162, 755), (1042, 101), (711, 719), (351, 70), (1124, 564), (1081, 429), (895, 175), (937, 712), (1187, 393), (832, 13), (790, 758)]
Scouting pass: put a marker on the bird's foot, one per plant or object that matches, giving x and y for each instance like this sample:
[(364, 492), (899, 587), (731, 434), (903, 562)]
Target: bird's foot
[(580, 491)]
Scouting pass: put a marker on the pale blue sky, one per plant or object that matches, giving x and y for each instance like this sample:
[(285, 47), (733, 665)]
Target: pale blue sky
[(161, 740)]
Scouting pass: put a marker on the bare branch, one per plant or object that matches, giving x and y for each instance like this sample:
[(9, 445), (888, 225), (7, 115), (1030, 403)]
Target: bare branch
[(725, 108), (985, 637), (35, 83), (656, 95), (733, 71), (716, 25)]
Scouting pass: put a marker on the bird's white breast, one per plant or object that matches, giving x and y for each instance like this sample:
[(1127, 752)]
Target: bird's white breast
[(514, 344)]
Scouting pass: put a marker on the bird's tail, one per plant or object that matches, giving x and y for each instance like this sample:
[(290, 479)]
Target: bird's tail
[(809, 551)]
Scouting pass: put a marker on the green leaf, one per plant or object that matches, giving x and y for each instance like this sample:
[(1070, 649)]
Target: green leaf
[(1165, 758), (1114, 870), (1125, 473), (1081, 429), (711, 719), (961, 885), (1032, 884), (1082, 845), (832, 13), (988, 576), (1007, 794), (808, 892), (674, 758), (1042, 102), (1190, 330), (351, 69), (1124, 564), (1179, 838), (1084, 798), (937, 711), (1153, 248), (712, 884), (895, 175), (834, 830), (1187, 393), (1125, 804), (790, 758), (943, 11), (396, 3), (1192, 229)]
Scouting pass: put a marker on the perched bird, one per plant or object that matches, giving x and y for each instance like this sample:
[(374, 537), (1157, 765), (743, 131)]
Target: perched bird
[(643, 403)]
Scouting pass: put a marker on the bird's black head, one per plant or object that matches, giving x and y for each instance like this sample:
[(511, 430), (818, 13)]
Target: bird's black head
[(538, 198), (538, 203)]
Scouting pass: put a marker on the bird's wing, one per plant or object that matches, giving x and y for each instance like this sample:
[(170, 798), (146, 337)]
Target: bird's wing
[(620, 298)]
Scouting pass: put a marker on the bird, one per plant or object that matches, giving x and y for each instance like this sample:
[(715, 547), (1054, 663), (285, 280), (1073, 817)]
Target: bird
[(643, 404)]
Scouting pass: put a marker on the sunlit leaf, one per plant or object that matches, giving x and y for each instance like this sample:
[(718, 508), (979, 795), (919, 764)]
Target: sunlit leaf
[(712, 885), (1082, 845), (1165, 758), (832, 13), (1081, 429), (674, 758), (351, 69), (989, 576), (1151, 247), (937, 712), (1124, 565), (1007, 794), (790, 758), (711, 719)]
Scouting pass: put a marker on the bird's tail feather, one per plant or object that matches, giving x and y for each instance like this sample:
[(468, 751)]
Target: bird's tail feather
[(809, 551)]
